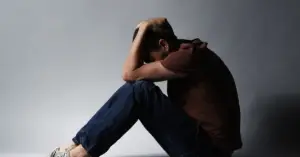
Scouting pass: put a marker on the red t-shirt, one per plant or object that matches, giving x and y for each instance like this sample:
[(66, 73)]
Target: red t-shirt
[(208, 92)]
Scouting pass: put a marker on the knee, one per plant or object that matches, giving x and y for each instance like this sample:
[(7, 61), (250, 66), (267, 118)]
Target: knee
[(143, 91), (141, 85), (144, 83)]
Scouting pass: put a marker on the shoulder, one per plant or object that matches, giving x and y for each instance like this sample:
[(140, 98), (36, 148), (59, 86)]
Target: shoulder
[(181, 60)]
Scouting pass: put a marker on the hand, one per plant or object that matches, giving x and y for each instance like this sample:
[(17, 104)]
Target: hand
[(143, 23), (158, 22)]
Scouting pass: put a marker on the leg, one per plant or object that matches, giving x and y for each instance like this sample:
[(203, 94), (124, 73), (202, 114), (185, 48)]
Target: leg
[(170, 126), (173, 129), (110, 122)]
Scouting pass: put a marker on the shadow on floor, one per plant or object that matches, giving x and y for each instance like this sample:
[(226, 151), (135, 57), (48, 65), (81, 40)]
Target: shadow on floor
[(274, 126)]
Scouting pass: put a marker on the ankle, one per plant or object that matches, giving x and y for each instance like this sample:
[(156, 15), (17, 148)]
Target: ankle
[(78, 151)]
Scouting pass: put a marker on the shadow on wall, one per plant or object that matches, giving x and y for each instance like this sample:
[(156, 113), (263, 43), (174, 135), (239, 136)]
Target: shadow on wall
[(274, 128), (274, 125)]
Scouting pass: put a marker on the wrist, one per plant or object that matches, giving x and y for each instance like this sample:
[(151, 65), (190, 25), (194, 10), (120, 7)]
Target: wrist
[(144, 25)]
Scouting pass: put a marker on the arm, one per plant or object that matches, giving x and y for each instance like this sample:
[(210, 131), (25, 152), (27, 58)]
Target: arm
[(177, 65), (134, 69), (154, 71), (133, 60)]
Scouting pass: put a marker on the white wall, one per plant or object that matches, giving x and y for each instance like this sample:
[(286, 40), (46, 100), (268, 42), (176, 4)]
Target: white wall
[(61, 60)]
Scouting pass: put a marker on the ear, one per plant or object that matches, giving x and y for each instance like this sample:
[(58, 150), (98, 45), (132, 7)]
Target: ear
[(163, 44)]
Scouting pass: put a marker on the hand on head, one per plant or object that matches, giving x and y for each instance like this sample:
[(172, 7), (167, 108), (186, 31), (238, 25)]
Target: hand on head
[(153, 23)]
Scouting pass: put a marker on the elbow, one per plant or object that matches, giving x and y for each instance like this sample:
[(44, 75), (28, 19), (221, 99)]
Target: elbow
[(130, 76), (126, 76)]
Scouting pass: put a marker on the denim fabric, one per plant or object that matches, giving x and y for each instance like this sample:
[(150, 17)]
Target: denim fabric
[(177, 133)]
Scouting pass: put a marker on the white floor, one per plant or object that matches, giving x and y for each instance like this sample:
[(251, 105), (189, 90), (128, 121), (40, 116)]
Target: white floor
[(23, 155), (45, 155)]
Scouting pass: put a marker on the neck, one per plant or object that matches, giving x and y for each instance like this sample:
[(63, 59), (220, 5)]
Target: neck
[(175, 45)]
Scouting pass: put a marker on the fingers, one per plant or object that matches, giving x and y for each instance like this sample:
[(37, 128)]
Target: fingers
[(157, 20), (139, 25), (154, 21)]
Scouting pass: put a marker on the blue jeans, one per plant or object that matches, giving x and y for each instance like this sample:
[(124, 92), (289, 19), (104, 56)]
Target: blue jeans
[(177, 133)]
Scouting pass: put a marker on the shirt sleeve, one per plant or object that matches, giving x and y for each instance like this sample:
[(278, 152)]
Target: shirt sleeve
[(180, 62)]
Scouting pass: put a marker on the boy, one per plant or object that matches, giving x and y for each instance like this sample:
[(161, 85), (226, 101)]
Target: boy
[(199, 117)]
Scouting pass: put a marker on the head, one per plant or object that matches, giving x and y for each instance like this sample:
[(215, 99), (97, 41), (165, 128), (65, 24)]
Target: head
[(158, 43)]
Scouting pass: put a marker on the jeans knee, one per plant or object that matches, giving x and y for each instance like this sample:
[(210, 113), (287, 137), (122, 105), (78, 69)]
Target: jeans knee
[(143, 85)]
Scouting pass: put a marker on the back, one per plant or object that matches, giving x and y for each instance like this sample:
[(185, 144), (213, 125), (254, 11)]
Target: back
[(208, 93)]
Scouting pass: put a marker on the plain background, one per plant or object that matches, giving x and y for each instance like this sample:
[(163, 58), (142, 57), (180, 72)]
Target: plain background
[(60, 60)]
